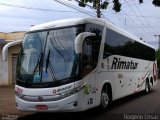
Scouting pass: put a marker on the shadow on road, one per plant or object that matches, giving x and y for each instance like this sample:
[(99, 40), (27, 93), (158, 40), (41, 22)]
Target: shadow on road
[(125, 100), (61, 116), (87, 115), (92, 114)]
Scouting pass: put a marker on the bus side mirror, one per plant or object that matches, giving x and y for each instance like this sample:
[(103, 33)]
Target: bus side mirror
[(7, 46), (79, 41)]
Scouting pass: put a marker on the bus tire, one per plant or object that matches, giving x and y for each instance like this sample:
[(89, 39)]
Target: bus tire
[(105, 99), (147, 87), (151, 84)]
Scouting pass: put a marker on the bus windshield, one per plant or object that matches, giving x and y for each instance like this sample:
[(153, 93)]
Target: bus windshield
[(48, 56)]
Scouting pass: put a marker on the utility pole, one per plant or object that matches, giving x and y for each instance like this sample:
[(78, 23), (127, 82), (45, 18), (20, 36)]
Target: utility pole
[(98, 9), (158, 40)]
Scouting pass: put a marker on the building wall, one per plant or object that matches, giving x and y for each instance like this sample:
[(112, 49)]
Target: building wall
[(15, 35), (2, 35), (12, 35), (6, 66), (3, 69)]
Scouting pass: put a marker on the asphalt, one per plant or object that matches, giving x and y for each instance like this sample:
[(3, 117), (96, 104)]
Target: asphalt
[(7, 102)]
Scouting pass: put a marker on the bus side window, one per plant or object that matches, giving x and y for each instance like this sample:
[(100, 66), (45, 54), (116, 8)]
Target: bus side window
[(106, 54), (90, 52), (87, 58)]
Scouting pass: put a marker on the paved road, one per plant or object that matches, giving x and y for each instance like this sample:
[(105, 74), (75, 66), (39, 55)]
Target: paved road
[(138, 107)]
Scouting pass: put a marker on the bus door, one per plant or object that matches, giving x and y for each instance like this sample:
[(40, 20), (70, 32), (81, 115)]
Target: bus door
[(120, 84), (132, 79), (88, 72)]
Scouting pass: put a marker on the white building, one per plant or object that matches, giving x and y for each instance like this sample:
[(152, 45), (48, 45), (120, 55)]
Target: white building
[(8, 68)]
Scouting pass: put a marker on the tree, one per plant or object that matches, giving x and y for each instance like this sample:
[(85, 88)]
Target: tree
[(156, 3), (158, 57), (158, 61), (98, 4), (103, 4)]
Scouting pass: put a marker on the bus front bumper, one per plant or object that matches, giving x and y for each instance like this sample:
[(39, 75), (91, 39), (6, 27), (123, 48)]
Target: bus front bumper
[(68, 104)]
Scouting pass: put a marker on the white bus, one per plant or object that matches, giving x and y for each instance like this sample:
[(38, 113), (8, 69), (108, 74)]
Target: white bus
[(78, 64)]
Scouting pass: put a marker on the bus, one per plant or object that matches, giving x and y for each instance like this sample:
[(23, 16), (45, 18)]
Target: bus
[(76, 64)]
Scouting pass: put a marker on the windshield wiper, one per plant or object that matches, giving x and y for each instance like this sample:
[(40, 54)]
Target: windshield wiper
[(40, 60), (47, 61), (39, 63), (49, 64)]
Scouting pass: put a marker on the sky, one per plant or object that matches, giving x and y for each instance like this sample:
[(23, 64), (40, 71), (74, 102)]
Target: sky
[(142, 20)]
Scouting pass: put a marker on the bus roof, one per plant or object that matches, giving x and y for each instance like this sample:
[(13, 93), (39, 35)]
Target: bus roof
[(76, 21)]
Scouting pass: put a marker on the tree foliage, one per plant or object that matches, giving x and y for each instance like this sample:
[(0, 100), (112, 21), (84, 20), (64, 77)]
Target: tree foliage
[(140, 1), (158, 61), (158, 58), (116, 5), (104, 3), (156, 3)]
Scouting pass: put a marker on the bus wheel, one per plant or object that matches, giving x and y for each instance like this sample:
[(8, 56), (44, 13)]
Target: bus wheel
[(147, 87), (104, 100)]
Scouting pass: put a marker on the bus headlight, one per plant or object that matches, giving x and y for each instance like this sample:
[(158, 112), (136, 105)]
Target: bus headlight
[(20, 95), (18, 92), (73, 91)]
